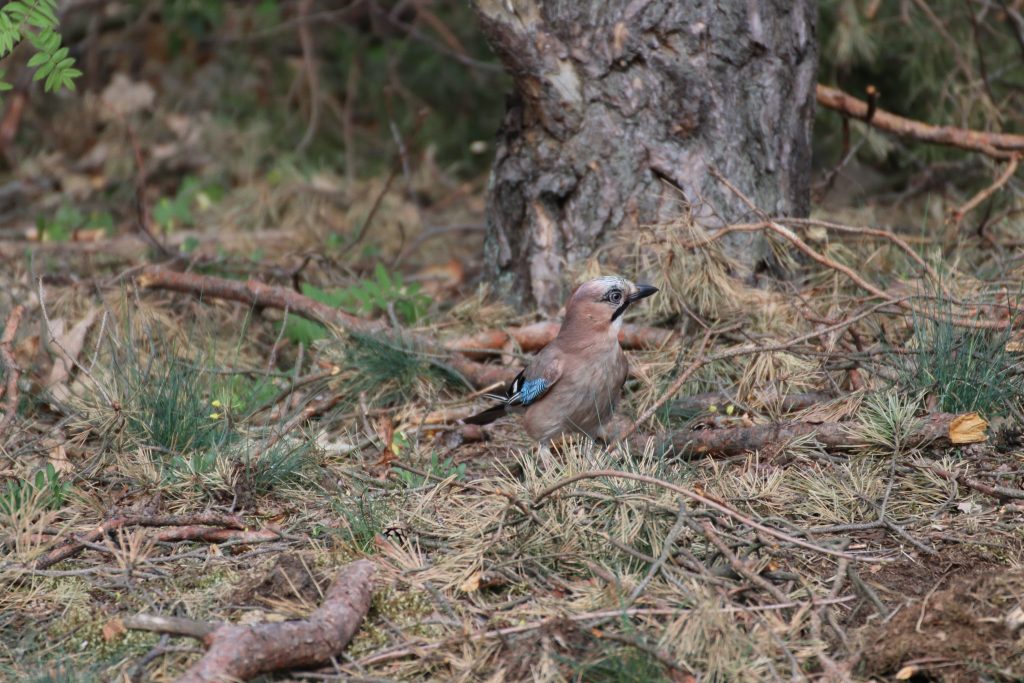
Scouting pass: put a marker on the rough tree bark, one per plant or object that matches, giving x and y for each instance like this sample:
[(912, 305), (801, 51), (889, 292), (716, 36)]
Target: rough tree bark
[(617, 101)]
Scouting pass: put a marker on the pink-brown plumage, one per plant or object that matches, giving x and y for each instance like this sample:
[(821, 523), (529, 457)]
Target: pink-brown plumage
[(582, 370)]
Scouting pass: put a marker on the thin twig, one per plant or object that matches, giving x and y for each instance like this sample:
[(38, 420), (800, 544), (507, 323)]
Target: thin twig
[(973, 203)]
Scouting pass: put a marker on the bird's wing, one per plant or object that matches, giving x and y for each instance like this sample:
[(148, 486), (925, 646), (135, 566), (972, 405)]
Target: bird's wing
[(534, 381)]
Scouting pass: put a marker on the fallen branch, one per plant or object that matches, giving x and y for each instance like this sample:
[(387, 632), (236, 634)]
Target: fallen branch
[(256, 293), (10, 390), (215, 535), (76, 545), (975, 201), (995, 145), (939, 429), (240, 653), (1000, 493)]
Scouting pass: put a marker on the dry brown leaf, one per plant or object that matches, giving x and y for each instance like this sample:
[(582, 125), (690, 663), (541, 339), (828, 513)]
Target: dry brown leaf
[(113, 629), (58, 457), (67, 346), (471, 584), (124, 97)]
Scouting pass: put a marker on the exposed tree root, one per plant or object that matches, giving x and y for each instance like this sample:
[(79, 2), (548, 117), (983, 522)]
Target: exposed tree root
[(538, 335), (239, 653), (939, 429)]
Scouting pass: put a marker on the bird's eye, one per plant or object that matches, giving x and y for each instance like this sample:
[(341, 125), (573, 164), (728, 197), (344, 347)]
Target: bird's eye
[(615, 296)]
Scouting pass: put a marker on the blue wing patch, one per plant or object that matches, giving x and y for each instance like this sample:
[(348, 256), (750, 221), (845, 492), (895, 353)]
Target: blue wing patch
[(522, 391), (531, 390)]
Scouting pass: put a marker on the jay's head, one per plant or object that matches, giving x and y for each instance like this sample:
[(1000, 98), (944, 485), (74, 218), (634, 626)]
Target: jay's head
[(599, 303)]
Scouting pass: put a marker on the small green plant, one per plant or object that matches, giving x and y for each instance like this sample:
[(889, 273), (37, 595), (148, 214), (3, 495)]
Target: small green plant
[(36, 21), (887, 419), (173, 213), (46, 485), (365, 516), (68, 220), (248, 466), (628, 665), (439, 468), (167, 405), (963, 369), (382, 293)]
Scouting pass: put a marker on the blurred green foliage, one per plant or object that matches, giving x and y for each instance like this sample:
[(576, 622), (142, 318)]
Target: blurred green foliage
[(382, 293), (951, 62), (420, 74)]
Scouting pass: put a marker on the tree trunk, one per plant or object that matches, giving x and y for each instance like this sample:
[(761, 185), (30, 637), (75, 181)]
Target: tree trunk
[(621, 105)]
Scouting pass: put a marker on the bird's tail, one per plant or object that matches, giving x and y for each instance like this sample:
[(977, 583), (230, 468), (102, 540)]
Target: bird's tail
[(488, 416)]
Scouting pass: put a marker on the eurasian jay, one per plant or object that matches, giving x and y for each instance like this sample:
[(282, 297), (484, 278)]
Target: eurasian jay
[(573, 384)]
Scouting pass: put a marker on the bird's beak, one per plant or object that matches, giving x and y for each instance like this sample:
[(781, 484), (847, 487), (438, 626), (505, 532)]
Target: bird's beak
[(642, 292)]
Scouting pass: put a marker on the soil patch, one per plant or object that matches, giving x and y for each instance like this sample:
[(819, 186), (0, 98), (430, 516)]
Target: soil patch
[(962, 628)]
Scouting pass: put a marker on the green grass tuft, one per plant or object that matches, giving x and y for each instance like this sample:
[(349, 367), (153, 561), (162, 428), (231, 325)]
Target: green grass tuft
[(964, 369)]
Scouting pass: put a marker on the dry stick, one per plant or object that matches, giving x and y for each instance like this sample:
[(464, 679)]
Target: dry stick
[(743, 519), (850, 272), (10, 366), (827, 663), (713, 401), (872, 232), (244, 652), (666, 550), (178, 626), (77, 545), (998, 492), (995, 145), (215, 535), (256, 293), (976, 200), (143, 216), (738, 565), (312, 77)]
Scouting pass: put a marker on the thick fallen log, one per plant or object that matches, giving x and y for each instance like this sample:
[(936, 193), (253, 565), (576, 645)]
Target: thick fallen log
[(996, 145), (240, 653), (939, 430)]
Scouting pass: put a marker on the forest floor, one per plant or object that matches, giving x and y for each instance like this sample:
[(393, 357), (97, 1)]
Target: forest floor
[(247, 454)]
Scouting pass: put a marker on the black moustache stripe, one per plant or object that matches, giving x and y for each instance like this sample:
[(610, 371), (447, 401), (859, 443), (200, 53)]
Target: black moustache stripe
[(620, 310)]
